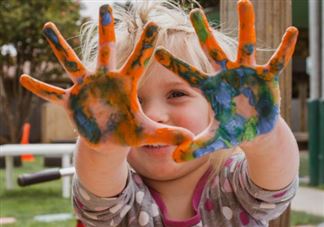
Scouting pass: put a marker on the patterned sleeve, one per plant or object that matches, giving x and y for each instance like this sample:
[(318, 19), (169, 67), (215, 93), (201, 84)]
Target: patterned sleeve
[(261, 204), (133, 205)]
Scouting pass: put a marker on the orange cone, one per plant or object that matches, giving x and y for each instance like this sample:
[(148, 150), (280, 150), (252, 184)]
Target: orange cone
[(25, 140)]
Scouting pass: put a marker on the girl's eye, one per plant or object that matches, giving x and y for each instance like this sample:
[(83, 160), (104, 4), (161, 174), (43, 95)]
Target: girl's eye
[(176, 94)]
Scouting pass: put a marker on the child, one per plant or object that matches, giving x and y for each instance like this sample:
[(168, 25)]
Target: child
[(134, 181)]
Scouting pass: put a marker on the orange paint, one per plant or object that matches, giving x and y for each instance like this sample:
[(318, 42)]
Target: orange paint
[(106, 36), (64, 53), (247, 38)]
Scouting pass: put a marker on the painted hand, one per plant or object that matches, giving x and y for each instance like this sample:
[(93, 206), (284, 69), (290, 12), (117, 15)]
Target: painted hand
[(244, 96), (103, 105)]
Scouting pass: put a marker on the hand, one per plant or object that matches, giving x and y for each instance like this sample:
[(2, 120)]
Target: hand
[(244, 96), (103, 105)]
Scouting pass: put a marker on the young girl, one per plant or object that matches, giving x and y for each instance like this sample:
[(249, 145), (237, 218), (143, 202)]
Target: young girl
[(125, 171)]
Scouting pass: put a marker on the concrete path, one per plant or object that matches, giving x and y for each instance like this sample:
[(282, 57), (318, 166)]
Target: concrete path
[(309, 200)]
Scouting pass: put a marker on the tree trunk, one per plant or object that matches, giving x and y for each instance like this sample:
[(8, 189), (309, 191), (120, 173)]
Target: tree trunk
[(271, 18)]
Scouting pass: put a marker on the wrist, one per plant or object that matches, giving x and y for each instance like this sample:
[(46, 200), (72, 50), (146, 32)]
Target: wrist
[(264, 139), (103, 172)]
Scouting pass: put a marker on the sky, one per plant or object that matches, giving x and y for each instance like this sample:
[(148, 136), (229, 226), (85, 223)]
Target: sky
[(92, 7)]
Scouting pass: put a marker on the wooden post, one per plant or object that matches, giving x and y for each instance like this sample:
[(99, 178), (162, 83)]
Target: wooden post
[(271, 18)]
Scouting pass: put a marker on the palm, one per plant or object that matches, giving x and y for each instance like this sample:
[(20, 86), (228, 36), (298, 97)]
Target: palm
[(103, 105), (235, 121)]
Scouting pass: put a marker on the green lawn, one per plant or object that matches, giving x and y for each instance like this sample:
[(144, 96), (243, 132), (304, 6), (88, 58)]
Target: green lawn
[(302, 219), (303, 167), (304, 170), (23, 203)]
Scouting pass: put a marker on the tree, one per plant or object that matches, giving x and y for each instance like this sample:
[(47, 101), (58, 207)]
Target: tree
[(24, 50)]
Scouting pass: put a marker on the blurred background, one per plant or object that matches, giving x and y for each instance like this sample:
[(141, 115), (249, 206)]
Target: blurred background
[(23, 49)]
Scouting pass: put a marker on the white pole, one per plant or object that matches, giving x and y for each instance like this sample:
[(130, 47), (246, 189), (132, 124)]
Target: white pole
[(66, 179), (314, 37)]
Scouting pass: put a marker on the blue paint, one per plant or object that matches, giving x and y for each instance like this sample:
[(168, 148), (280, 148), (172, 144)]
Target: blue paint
[(151, 31), (106, 18), (147, 46), (267, 122), (248, 49), (247, 92), (223, 95), (52, 36), (240, 73), (234, 126), (216, 145), (87, 127), (222, 64)]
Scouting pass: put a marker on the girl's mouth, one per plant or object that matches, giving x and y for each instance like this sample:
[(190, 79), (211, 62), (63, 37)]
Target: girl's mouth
[(156, 148)]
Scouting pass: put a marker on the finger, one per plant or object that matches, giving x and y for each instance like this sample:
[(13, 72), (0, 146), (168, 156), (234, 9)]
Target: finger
[(48, 92), (142, 52), (189, 73), (139, 130), (64, 53), (156, 133), (203, 144), (207, 41), (247, 38), (106, 50), (283, 54)]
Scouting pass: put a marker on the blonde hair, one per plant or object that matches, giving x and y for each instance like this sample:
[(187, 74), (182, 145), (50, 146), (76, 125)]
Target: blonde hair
[(175, 33)]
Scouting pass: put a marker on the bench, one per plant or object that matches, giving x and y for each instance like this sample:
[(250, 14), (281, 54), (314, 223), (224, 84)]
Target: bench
[(64, 150)]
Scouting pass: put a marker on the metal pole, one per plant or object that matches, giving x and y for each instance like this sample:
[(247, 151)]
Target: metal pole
[(314, 32), (313, 102)]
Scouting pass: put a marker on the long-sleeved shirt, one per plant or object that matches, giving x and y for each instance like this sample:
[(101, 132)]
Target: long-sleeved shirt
[(226, 198)]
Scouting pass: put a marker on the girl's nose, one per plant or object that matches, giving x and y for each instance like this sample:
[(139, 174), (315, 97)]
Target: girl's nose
[(156, 112)]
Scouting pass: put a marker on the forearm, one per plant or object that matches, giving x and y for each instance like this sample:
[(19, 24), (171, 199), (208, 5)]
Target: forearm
[(102, 173), (273, 158)]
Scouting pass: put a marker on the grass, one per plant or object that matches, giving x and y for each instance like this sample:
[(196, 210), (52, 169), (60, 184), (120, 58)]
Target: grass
[(304, 171), (304, 164), (26, 202), (302, 218)]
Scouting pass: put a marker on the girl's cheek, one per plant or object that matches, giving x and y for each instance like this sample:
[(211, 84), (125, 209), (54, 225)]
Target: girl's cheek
[(191, 120)]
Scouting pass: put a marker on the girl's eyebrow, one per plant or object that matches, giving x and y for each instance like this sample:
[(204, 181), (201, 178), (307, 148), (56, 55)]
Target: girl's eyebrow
[(177, 83)]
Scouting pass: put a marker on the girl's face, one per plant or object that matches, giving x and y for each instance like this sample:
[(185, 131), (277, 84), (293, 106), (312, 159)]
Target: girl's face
[(167, 99)]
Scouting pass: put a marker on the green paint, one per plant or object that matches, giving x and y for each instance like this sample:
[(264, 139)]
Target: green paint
[(47, 94), (71, 66), (198, 23), (250, 129), (146, 61)]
